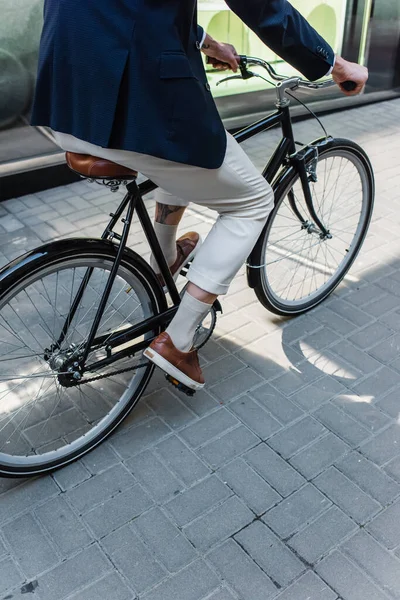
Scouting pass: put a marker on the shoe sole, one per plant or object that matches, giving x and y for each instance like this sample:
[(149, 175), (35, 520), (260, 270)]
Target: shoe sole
[(167, 367)]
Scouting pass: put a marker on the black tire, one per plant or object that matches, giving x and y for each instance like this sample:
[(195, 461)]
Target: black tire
[(28, 284), (273, 238)]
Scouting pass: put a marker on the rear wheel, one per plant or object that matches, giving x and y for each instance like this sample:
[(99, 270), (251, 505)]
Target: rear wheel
[(295, 267), (45, 421)]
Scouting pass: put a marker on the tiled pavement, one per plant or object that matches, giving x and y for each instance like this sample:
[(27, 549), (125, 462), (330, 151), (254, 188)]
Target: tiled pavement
[(280, 480)]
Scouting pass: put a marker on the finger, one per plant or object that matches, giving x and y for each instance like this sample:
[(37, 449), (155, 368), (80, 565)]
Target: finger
[(233, 62)]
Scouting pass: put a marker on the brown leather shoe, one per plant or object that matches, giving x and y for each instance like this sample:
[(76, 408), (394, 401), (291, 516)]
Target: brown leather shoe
[(186, 247), (182, 366)]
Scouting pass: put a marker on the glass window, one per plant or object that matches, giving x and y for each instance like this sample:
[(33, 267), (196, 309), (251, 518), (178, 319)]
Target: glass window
[(326, 16), (20, 28)]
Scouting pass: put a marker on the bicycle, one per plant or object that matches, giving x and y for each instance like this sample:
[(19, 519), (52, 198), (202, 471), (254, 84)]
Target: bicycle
[(77, 314)]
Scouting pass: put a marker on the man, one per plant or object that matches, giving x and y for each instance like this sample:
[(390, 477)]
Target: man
[(124, 80)]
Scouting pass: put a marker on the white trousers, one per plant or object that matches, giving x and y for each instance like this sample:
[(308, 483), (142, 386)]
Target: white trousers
[(236, 191)]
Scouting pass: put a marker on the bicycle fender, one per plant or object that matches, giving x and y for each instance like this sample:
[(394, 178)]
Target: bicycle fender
[(34, 259)]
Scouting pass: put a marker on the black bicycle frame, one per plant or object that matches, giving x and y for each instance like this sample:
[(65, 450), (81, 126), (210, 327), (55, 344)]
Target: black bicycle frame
[(285, 153)]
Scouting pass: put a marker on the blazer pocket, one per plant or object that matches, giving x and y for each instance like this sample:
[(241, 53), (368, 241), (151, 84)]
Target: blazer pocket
[(183, 93), (175, 65)]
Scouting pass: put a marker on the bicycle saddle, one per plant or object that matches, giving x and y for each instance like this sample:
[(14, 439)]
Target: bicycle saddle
[(94, 167)]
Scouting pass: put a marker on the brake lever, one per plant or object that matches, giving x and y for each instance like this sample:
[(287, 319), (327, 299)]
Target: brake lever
[(229, 79)]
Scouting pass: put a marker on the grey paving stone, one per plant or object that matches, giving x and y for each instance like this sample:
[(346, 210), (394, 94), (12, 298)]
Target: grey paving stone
[(382, 566), (228, 446), (278, 473), (391, 320), (269, 357), (201, 403), (255, 417), (342, 424), (347, 495), (136, 439), (256, 493), (170, 409), (192, 583), (25, 497), (384, 446), (237, 384), (320, 455), (319, 340), (308, 587), (322, 535), (296, 511), (363, 295), (197, 500), (3, 550), (73, 574), (387, 350), (379, 383), (63, 526), (71, 475), (120, 509), (133, 559), (335, 321), (157, 479), (298, 329), (208, 427), (370, 335), (100, 488), (30, 547), (280, 407), (100, 459), (392, 468), (292, 439), (389, 284), (318, 393), (386, 526), (181, 460), (228, 365), (212, 351), (165, 540), (218, 524), (222, 594), (9, 575), (355, 357), (272, 555), (112, 586), (369, 477), (360, 408), (345, 310), (347, 579), (390, 404), (290, 381), (242, 574), (380, 307)]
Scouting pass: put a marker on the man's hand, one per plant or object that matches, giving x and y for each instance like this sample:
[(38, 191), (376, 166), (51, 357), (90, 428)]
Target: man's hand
[(220, 56), (349, 71)]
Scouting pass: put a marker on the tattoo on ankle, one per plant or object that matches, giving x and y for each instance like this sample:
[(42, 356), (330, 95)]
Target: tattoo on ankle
[(164, 210)]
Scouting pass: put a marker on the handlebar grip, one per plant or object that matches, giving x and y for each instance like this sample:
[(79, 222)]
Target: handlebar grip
[(349, 86)]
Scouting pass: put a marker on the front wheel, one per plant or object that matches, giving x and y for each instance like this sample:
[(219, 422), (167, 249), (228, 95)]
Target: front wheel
[(46, 418), (294, 268)]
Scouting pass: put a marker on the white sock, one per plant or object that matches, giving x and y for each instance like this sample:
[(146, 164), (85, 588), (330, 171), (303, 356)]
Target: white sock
[(183, 326), (166, 235)]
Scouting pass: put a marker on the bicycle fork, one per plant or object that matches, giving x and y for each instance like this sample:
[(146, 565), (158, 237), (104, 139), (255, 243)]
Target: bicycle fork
[(305, 162)]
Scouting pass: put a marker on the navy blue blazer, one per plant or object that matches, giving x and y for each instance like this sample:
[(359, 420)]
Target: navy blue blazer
[(128, 74)]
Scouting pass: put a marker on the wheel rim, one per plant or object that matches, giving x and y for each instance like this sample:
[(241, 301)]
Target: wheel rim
[(299, 267), (41, 421)]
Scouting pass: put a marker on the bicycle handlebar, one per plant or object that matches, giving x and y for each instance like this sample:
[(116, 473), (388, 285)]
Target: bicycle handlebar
[(249, 61)]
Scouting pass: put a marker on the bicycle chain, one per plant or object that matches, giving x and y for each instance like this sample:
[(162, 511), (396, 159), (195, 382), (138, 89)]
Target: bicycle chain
[(118, 372)]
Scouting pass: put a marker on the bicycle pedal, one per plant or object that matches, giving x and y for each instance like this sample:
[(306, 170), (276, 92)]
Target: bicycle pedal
[(180, 386)]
